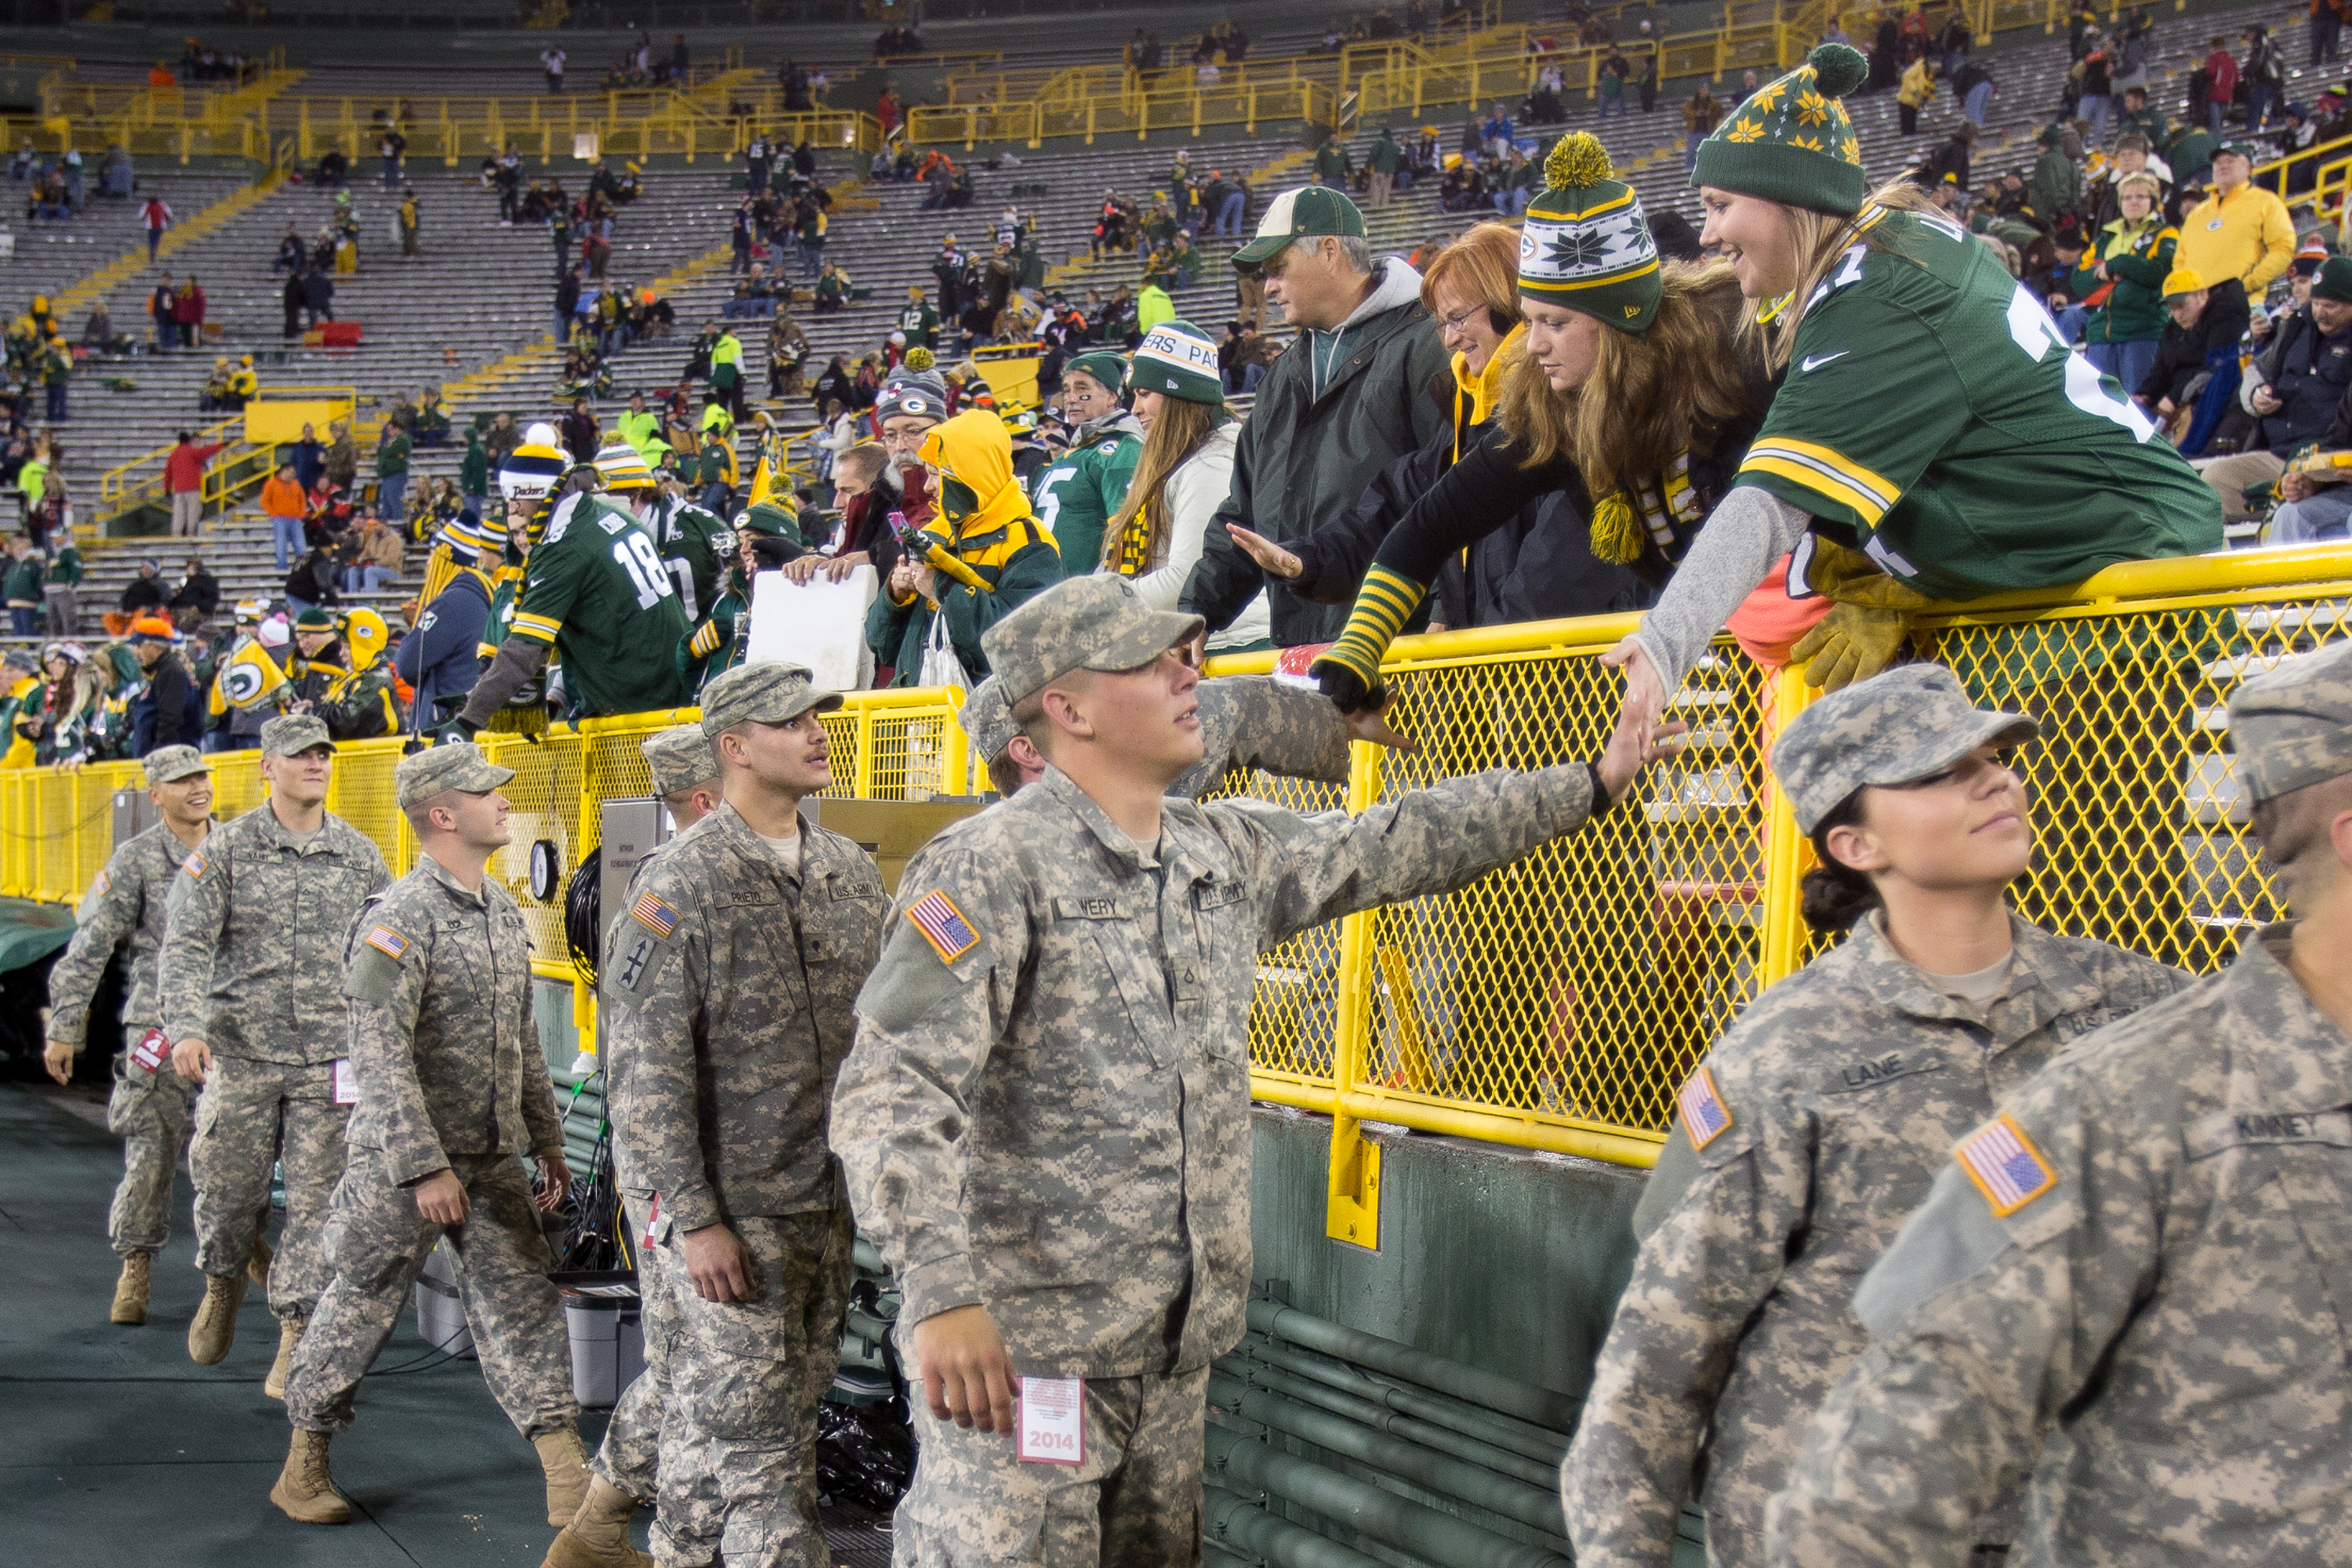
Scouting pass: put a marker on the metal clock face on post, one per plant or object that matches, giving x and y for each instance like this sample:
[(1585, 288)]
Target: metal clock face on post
[(546, 869)]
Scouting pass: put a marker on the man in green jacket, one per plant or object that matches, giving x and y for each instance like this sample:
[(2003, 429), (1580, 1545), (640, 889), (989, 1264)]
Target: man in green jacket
[(2057, 184), (726, 371), (61, 589), (392, 471), (1333, 167), (1384, 158), (1076, 495), (22, 587), (473, 468)]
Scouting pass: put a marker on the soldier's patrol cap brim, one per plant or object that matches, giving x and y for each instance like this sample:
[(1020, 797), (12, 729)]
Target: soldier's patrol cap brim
[(458, 765), (290, 734), (2291, 726), (1893, 729), (166, 763), (770, 692), (987, 718), (1093, 622)]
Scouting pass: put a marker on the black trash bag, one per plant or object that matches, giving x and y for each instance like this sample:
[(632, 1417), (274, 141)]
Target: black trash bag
[(863, 1456)]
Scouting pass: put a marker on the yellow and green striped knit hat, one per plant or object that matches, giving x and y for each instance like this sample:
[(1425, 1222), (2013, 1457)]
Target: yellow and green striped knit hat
[(1586, 244), (1790, 141)]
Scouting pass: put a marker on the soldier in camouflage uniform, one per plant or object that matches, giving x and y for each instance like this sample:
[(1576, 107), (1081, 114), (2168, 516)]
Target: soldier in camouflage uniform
[(2135, 1270), (251, 978), (729, 987), (1817, 1124), (150, 1108), (630, 1465), (1046, 1119), (453, 1088)]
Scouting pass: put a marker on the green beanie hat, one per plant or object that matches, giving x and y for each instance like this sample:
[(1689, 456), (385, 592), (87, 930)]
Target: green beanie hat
[(1586, 244), (767, 517), (1104, 365), (1180, 359), (1790, 142)]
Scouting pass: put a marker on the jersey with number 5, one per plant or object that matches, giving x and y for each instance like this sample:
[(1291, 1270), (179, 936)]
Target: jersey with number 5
[(596, 591), (1932, 411)]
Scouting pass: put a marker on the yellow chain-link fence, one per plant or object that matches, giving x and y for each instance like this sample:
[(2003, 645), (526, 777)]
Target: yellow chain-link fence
[(1557, 1004)]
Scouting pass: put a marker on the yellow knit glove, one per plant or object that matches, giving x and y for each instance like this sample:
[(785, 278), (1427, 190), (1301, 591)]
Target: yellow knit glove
[(1852, 642)]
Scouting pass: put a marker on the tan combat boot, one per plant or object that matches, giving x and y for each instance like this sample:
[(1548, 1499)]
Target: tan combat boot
[(256, 1266), (289, 1334), (565, 1463), (214, 1329), (305, 1491), (130, 1291), (598, 1535)]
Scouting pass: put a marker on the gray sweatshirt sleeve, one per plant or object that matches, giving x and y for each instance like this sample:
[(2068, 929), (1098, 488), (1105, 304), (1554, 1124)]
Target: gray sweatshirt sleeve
[(1749, 531)]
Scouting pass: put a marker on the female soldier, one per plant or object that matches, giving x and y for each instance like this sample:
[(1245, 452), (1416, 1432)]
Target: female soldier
[(1539, 565), (1818, 1123), (1182, 477), (1624, 392)]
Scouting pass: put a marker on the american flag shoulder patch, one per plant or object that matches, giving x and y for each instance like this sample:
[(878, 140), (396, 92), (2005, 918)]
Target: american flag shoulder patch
[(1705, 1116), (196, 863), (98, 888), (388, 941), (656, 915), (942, 925), (2005, 1166)]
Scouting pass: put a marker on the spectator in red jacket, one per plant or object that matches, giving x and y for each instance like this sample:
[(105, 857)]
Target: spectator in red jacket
[(183, 476), (2220, 83), (157, 216), (188, 313)]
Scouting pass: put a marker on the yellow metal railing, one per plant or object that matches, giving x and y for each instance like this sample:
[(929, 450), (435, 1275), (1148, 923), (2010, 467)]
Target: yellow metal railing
[(1558, 1003), (616, 125)]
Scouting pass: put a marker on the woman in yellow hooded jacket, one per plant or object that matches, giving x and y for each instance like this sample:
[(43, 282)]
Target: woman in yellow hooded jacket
[(979, 557)]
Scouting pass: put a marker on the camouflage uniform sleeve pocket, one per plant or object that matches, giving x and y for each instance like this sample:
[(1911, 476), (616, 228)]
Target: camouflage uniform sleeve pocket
[(372, 972)]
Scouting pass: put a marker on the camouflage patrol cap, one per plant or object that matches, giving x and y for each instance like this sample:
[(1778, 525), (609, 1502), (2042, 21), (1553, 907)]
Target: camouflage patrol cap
[(2291, 727), (681, 759), (770, 692), (459, 764), (1093, 622), (165, 763), (1889, 730), (987, 718), (291, 733)]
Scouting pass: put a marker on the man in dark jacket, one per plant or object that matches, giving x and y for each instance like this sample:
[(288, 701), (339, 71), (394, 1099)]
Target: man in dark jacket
[(167, 713), (1364, 386), (440, 657), (146, 591), (2296, 390), (199, 591), (2203, 337)]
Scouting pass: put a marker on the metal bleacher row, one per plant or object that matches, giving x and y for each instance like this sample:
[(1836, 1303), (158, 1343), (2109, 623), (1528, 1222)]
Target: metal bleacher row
[(475, 313)]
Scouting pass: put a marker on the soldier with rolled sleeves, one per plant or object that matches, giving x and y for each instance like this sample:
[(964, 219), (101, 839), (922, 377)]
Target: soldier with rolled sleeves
[(629, 1465), (1818, 1123), (251, 977), (1045, 1121), (151, 1106), (729, 987), (2143, 1253), (453, 1092)]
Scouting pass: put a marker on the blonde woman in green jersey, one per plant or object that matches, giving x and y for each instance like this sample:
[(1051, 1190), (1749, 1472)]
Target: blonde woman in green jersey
[(1933, 437)]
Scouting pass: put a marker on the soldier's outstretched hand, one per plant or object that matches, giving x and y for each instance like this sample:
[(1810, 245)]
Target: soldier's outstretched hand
[(1636, 741), (967, 1373)]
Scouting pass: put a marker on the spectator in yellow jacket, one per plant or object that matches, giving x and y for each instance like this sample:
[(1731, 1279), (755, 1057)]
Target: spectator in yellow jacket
[(2240, 231)]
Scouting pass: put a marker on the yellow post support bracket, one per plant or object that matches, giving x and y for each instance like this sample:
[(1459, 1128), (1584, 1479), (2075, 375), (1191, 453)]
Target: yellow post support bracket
[(1352, 1208), (1787, 855)]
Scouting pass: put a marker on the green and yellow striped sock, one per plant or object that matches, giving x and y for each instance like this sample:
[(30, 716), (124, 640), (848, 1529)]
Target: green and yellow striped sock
[(1383, 606)]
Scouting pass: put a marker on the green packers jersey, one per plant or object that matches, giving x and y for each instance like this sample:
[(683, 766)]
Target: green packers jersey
[(1932, 409), (597, 591), (689, 540), (1077, 497), (716, 645)]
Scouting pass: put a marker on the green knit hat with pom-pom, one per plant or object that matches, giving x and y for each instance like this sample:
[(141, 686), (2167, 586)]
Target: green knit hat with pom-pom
[(1586, 244), (1790, 141)]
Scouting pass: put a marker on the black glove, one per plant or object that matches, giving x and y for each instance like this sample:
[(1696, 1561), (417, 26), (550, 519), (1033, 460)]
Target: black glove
[(1346, 688)]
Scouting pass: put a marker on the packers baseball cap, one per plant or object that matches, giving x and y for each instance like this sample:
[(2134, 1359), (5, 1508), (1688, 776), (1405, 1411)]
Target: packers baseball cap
[(1306, 213), (1093, 622), (458, 764), (1891, 728)]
